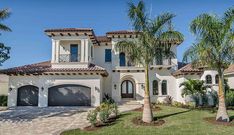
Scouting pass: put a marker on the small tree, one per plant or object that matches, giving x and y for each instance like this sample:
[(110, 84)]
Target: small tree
[(193, 88)]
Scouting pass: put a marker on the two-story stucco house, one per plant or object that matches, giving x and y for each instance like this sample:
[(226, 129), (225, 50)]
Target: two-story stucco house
[(84, 67)]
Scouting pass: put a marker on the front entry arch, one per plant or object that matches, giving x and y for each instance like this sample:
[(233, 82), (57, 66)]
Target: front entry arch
[(127, 89)]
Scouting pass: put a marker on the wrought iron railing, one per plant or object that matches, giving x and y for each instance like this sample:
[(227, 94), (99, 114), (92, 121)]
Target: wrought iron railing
[(67, 58)]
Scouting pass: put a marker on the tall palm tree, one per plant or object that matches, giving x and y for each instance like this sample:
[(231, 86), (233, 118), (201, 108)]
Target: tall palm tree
[(156, 36), (4, 51), (214, 49)]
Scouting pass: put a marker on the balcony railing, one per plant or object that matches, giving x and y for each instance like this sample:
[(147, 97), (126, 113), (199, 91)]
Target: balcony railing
[(68, 58)]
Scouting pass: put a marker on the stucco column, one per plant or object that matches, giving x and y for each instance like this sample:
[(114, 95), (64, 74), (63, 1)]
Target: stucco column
[(82, 50), (53, 51), (57, 50), (43, 97), (86, 50), (159, 88), (12, 97)]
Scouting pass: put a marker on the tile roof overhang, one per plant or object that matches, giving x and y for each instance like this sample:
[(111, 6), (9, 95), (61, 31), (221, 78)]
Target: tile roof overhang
[(188, 69), (44, 68), (73, 32)]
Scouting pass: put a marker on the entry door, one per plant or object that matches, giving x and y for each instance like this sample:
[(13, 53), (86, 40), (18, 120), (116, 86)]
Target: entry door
[(127, 89)]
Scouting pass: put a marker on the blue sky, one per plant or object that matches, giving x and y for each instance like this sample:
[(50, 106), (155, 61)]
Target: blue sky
[(30, 18)]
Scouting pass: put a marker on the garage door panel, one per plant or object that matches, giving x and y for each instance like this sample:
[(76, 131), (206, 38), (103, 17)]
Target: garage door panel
[(27, 96), (69, 95)]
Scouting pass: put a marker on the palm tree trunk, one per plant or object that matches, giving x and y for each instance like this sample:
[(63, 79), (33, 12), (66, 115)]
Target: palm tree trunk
[(147, 112), (222, 114)]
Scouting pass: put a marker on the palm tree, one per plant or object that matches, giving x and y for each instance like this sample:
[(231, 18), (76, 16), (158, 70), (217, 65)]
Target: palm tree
[(156, 37), (193, 88), (4, 51), (214, 49)]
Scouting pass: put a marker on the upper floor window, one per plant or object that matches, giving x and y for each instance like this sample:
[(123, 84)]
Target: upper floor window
[(155, 87), (91, 51), (216, 79), (122, 60), (74, 52), (159, 58), (164, 87), (208, 79), (107, 55)]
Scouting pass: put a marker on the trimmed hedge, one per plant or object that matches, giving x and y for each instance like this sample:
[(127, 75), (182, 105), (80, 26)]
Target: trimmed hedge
[(3, 100)]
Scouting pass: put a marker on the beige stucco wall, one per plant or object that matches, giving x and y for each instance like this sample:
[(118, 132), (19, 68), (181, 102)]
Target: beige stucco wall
[(94, 82), (4, 84), (230, 78)]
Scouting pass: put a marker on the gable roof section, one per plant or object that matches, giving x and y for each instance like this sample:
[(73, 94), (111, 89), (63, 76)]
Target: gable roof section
[(229, 70), (187, 69), (45, 68)]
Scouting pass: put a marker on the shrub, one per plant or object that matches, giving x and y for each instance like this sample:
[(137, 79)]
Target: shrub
[(215, 97), (230, 98), (108, 99), (168, 100), (92, 117), (3, 100), (104, 115)]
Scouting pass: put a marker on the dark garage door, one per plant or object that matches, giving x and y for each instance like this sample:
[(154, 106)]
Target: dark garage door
[(69, 95), (27, 96)]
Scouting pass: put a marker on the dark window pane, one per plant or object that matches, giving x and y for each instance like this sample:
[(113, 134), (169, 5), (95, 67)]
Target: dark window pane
[(217, 79), (164, 87), (122, 61), (107, 55), (155, 87), (208, 79), (74, 53)]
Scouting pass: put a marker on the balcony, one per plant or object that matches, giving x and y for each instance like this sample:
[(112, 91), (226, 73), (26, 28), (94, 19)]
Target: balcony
[(64, 58)]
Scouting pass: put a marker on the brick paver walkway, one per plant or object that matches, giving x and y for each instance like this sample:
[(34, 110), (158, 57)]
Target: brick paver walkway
[(46, 121)]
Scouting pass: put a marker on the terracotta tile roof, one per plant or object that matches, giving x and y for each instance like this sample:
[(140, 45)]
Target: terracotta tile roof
[(122, 32), (187, 69), (229, 70), (69, 30), (103, 39), (45, 67)]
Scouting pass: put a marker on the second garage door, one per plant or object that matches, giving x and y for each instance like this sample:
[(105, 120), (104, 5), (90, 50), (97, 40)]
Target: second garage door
[(69, 95)]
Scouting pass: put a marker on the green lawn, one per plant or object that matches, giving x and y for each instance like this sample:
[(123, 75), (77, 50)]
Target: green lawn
[(178, 122)]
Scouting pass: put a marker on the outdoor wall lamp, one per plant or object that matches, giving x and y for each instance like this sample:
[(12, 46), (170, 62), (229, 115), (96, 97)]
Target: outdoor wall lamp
[(10, 89), (115, 86), (142, 86), (42, 88)]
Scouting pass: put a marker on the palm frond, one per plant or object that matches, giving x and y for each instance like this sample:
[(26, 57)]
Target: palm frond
[(4, 27), (4, 13)]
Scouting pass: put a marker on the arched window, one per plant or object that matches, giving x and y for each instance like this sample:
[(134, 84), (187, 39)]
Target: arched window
[(216, 79), (155, 87), (122, 61), (208, 79), (164, 87)]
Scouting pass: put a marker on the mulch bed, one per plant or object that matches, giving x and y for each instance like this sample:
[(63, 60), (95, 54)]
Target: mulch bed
[(212, 120), (153, 109), (138, 121)]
